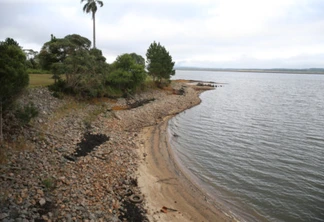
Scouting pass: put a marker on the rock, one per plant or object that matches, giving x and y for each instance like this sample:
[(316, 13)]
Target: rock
[(83, 189), (40, 192), (3, 216), (42, 201)]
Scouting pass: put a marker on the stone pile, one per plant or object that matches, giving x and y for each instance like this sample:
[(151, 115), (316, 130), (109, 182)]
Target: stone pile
[(37, 183)]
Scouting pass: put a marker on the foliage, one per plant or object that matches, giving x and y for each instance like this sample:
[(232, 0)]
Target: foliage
[(91, 6), (26, 113), (84, 68), (138, 59), (13, 75), (56, 50), (10, 41), (49, 183), (32, 61), (159, 62), (37, 71), (127, 74)]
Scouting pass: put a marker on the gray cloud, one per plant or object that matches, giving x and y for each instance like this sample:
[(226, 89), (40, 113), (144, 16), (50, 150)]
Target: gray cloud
[(220, 33)]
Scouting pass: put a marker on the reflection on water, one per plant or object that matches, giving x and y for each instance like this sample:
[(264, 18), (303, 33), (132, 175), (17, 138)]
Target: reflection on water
[(257, 143)]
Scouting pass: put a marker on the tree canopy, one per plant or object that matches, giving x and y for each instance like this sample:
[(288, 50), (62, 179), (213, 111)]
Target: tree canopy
[(127, 73), (91, 6), (84, 68), (57, 49), (138, 58), (159, 62)]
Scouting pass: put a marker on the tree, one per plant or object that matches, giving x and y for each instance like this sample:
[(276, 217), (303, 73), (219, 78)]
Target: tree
[(159, 62), (57, 50), (85, 69), (91, 6), (127, 74), (138, 58), (13, 74), (32, 61)]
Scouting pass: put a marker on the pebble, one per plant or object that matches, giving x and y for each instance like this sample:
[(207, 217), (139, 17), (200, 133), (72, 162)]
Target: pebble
[(42, 201), (49, 187), (3, 216)]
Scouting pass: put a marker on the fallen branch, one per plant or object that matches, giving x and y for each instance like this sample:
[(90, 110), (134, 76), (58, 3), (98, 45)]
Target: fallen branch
[(166, 209)]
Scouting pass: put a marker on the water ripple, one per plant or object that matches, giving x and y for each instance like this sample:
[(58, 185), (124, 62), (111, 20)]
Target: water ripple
[(258, 144)]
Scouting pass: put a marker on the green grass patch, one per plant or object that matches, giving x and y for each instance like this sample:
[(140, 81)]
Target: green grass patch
[(38, 80), (37, 71)]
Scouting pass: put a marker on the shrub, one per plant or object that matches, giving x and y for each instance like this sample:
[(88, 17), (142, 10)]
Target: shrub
[(38, 71), (26, 113), (13, 75)]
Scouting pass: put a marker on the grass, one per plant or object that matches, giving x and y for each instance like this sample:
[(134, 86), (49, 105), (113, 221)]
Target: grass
[(38, 71), (49, 183), (20, 144), (71, 106), (37, 80), (93, 114), (3, 153)]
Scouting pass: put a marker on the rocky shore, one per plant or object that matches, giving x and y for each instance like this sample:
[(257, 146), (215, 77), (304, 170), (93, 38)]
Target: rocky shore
[(77, 161)]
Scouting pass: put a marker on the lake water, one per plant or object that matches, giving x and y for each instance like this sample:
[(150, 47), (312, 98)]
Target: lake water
[(257, 143)]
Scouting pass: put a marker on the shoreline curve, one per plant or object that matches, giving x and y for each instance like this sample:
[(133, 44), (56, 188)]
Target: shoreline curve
[(170, 193)]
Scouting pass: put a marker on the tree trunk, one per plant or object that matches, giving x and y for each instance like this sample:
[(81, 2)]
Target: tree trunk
[(94, 29)]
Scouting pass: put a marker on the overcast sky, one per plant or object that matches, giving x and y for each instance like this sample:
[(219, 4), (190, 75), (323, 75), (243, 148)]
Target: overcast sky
[(200, 33)]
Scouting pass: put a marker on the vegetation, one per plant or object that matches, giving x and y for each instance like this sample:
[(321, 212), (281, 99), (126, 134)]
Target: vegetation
[(26, 113), (84, 68), (91, 6), (81, 70), (13, 75), (159, 63), (128, 73), (37, 80), (31, 59), (86, 72), (70, 65), (76, 69), (49, 183), (37, 71)]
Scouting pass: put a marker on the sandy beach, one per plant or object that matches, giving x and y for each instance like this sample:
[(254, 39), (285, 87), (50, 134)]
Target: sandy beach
[(170, 194)]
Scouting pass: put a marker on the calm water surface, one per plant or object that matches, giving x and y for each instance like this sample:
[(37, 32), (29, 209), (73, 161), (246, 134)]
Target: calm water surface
[(257, 143)]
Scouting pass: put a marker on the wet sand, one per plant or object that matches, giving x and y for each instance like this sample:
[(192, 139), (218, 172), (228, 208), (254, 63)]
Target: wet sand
[(169, 193)]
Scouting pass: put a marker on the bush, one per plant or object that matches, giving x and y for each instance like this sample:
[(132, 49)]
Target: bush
[(38, 71), (127, 74), (13, 75), (26, 113)]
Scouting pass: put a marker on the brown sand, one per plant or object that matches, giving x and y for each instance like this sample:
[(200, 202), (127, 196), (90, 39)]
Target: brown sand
[(164, 184)]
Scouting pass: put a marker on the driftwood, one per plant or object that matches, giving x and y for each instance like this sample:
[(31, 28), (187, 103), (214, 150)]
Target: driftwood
[(139, 103)]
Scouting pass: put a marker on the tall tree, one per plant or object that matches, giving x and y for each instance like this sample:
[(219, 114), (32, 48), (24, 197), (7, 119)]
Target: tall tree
[(13, 74), (159, 62), (91, 6)]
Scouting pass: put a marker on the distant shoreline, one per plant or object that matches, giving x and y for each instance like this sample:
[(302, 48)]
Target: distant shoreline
[(318, 71)]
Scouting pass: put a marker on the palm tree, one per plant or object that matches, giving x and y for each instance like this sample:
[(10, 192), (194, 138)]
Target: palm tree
[(91, 6)]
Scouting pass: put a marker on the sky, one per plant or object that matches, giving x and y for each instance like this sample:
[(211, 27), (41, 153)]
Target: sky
[(197, 33)]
